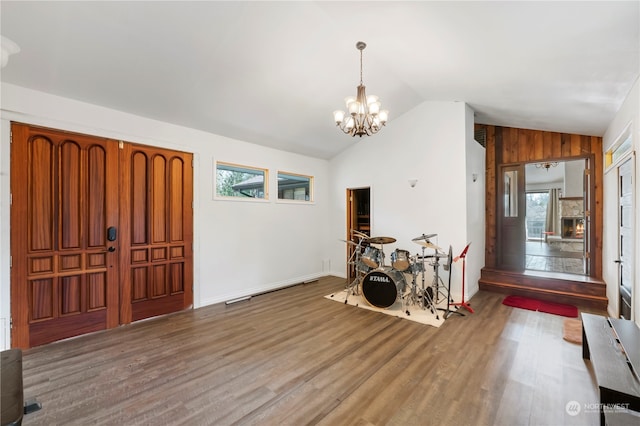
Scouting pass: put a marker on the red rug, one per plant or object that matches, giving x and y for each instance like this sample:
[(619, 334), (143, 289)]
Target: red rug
[(541, 306)]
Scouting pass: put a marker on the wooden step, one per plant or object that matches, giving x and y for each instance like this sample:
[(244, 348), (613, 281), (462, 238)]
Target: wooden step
[(560, 288)]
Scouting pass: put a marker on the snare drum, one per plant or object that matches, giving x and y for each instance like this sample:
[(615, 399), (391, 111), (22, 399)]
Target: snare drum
[(382, 287), (372, 257), (400, 260)]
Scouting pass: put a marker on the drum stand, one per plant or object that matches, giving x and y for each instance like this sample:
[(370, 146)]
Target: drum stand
[(416, 294), (353, 287), (437, 281)]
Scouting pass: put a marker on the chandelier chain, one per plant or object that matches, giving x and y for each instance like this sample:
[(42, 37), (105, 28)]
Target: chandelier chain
[(361, 66)]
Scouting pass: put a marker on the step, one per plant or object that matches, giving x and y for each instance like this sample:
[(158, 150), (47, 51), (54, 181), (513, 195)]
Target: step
[(579, 290)]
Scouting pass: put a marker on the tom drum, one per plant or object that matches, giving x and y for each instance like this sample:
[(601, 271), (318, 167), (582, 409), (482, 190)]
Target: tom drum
[(372, 257), (400, 260)]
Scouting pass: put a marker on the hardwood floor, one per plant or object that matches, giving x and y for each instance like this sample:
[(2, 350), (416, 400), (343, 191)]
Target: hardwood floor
[(293, 357)]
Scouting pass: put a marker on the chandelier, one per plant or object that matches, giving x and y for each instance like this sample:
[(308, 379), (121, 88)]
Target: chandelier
[(365, 116), (546, 165)]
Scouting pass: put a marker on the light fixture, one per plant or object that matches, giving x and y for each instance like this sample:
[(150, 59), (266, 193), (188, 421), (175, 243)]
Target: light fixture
[(546, 165), (8, 48), (365, 116)]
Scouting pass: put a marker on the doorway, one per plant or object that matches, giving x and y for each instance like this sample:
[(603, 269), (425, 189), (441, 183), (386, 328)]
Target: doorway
[(358, 219), (101, 233), (556, 234)]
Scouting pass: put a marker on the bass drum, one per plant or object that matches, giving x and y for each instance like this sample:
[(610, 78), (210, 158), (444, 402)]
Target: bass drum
[(381, 288)]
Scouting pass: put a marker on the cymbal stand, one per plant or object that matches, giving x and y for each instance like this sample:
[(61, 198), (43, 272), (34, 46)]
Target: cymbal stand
[(353, 287), (412, 298), (437, 281), (427, 299)]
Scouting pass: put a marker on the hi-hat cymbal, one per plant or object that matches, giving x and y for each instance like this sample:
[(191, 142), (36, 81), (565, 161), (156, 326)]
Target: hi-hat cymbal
[(382, 240), (424, 237), (428, 244), (359, 234), (349, 242)]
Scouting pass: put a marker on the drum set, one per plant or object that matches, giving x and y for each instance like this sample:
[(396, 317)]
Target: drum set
[(404, 280)]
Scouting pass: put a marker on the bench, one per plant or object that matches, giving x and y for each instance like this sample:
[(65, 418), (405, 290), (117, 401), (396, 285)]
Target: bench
[(12, 406), (613, 346)]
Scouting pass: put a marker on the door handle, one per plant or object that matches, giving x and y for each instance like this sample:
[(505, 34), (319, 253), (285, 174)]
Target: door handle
[(617, 261), (111, 249)]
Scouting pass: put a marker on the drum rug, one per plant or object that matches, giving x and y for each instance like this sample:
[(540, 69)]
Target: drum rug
[(399, 309)]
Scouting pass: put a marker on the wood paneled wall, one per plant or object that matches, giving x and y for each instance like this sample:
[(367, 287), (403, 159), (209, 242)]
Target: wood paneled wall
[(506, 145)]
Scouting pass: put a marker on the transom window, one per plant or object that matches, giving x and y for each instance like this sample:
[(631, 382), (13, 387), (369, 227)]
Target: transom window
[(233, 180), (295, 187)]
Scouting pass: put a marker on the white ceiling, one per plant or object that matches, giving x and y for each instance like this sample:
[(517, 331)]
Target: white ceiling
[(271, 73)]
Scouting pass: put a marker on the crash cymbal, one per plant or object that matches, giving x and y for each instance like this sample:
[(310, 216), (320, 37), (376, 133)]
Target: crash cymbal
[(349, 242), (359, 234), (382, 240), (424, 237), (428, 244)]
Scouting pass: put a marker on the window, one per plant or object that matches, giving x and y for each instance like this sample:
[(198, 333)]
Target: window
[(536, 216), (294, 187), (233, 180), (618, 151)]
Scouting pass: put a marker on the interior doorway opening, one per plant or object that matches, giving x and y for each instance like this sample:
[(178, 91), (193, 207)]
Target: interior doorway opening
[(358, 219), (555, 217)]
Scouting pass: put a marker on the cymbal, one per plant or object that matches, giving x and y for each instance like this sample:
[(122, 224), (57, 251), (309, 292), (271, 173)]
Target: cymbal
[(424, 237), (349, 242), (382, 240), (359, 234), (428, 244)]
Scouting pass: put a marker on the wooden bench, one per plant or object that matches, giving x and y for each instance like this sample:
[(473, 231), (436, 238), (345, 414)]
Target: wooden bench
[(613, 346)]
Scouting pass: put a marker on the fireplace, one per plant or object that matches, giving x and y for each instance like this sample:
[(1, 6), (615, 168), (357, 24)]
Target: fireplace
[(572, 227)]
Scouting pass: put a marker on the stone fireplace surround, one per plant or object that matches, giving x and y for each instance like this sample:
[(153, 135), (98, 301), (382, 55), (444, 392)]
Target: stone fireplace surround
[(571, 209)]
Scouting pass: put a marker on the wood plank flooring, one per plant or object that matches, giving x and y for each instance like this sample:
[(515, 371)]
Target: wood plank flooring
[(292, 357)]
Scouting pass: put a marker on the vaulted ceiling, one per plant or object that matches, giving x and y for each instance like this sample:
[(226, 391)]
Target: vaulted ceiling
[(271, 73)]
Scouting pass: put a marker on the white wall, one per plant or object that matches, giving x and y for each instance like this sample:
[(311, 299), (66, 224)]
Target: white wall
[(241, 248), (475, 186), (431, 144), (627, 120)]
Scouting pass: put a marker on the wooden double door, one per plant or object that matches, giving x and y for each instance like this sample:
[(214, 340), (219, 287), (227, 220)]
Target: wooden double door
[(101, 233)]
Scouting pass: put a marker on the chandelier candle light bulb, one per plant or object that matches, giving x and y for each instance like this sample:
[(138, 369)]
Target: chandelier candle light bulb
[(365, 118)]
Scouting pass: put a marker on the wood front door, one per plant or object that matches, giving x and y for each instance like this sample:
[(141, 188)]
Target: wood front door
[(156, 219), (101, 234), (64, 274)]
